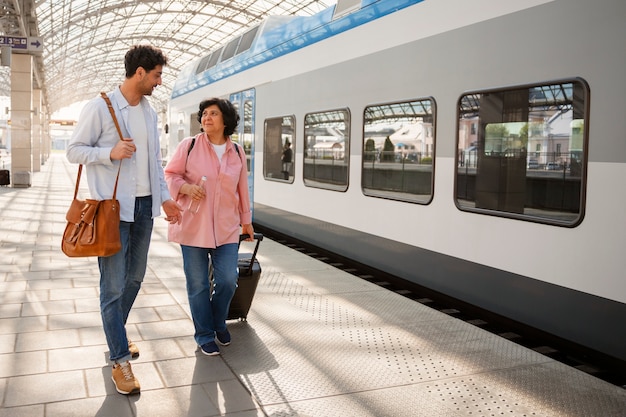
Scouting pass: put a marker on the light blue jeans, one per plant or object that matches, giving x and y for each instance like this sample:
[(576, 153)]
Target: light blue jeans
[(208, 310), (121, 276)]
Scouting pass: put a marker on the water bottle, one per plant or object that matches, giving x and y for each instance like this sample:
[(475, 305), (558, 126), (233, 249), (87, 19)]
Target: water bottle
[(194, 205)]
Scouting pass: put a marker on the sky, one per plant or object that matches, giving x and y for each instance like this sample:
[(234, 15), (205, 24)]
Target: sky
[(69, 113)]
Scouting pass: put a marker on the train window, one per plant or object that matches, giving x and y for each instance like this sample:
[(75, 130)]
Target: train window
[(235, 136), (246, 40), (526, 159), (230, 49), (279, 148), (202, 65), (244, 102), (248, 126), (215, 56), (243, 134), (398, 151), (326, 149)]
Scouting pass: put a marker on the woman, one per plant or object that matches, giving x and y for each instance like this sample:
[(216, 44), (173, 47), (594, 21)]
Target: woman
[(223, 205)]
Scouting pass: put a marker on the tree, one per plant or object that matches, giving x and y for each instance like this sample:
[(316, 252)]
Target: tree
[(496, 131), (370, 150), (388, 151), (523, 135)]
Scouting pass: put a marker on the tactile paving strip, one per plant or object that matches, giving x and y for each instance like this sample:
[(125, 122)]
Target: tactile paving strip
[(313, 349)]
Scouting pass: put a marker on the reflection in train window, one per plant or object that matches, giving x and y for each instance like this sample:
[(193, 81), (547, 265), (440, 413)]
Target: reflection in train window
[(235, 136), (243, 135), (326, 149), (527, 157), (279, 148), (248, 125), (398, 151)]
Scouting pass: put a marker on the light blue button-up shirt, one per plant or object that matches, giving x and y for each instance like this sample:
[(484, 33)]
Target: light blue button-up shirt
[(94, 137)]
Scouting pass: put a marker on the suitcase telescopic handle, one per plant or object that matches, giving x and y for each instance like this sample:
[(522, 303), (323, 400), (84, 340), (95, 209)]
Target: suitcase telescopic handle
[(258, 237)]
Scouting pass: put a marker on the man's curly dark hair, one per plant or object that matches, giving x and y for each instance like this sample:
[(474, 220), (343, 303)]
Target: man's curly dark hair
[(144, 56)]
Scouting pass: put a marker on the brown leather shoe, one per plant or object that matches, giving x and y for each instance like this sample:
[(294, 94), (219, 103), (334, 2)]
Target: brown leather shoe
[(124, 380)]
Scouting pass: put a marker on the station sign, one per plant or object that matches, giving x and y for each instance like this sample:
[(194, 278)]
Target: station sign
[(30, 44)]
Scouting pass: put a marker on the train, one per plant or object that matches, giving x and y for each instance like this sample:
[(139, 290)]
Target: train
[(475, 149)]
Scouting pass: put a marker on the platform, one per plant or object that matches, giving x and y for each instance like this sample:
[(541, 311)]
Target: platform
[(318, 341)]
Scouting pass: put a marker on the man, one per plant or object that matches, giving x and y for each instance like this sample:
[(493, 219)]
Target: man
[(286, 159), (141, 191)]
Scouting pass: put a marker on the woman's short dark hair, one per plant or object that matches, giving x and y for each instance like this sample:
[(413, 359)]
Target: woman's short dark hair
[(229, 113)]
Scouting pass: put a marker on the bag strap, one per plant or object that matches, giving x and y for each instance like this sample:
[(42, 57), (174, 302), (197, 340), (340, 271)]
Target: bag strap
[(193, 142), (119, 131), (110, 106)]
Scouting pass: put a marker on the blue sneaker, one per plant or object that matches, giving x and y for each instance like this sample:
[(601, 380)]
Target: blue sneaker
[(210, 349), (223, 338)]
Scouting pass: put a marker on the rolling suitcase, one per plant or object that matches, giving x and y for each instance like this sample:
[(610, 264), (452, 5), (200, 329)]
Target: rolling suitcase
[(5, 177), (249, 275)]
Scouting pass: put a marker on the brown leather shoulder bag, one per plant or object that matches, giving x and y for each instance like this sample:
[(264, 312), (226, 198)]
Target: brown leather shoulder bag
[(93, 226)]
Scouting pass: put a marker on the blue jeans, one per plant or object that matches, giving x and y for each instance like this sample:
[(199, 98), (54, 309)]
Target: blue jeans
[(121, 276), (208, 310)]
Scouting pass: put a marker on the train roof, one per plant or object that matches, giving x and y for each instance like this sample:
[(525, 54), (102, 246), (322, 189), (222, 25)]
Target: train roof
[(277, 36)]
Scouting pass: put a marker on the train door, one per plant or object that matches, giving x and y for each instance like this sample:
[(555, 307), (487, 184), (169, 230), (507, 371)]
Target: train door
[(244, 101)]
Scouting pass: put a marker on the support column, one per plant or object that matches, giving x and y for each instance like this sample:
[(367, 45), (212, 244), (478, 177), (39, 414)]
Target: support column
[(36, 129), (45, 134), (21, 119), (163, 138)]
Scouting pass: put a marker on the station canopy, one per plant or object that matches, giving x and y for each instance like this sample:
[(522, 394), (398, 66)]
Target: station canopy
[(84, 41)]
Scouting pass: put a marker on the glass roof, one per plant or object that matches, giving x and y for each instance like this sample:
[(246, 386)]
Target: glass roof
[(84, 41)]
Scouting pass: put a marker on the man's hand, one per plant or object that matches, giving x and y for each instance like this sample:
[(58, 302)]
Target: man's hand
[(123, 149), (173, 211)]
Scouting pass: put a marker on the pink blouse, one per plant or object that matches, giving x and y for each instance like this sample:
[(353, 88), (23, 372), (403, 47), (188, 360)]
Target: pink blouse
[(226, 205)]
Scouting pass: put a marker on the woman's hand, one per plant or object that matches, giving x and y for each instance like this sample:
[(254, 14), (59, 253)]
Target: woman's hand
[(247, 229), (196, 192)]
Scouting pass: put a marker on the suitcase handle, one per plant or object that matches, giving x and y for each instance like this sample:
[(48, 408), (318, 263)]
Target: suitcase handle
[(259, 238)]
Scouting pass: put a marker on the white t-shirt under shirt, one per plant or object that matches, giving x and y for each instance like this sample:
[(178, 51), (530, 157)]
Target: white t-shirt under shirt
[(139, 133), (219, 150)]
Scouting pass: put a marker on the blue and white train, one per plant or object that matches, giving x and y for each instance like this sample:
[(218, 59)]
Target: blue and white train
[(476, 148)]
